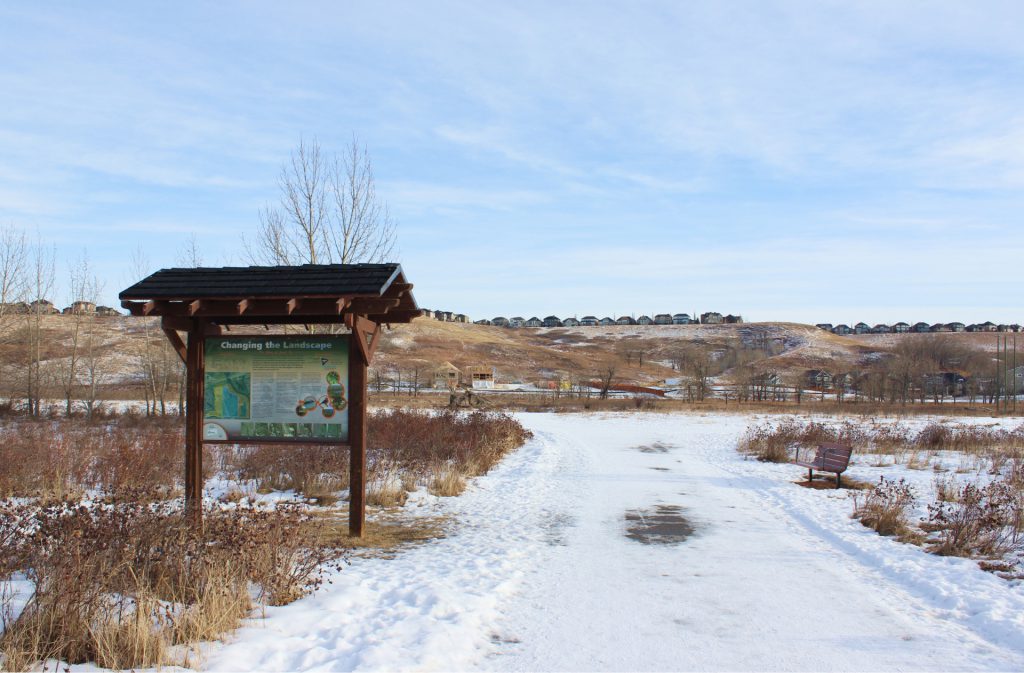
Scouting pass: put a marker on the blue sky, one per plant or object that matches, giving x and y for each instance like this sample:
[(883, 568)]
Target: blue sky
[(806, 161)]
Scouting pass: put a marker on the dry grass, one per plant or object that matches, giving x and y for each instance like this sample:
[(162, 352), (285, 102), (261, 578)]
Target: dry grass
[(406, 449), (385, 535), (119, 583), (775, 442), (447, 482), (59, 459)]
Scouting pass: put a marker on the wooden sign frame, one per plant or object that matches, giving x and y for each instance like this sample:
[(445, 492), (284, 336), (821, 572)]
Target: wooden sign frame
[(204, 303)]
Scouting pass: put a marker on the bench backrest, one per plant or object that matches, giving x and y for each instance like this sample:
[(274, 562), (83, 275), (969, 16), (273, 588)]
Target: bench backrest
[(833, 456)]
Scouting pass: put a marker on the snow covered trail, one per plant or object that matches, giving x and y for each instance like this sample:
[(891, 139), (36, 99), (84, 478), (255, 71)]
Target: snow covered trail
[(539, 573), (776, 577)]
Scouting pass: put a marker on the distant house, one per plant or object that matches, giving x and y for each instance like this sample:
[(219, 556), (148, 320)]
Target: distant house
[(107, 311), (711, 318), (983, 327), (1017, 376), (644, 320), (1003, 328), (1014, 327), (939, 327), (733, 319), (818, 379), (446, 376), (500, 321), (43, 307), (460, 317), (681, 319), (427, 313), (956, 327), (827, 326), (479, 377), (663, 319), (80, 308), (517, 321), (901, 328), (16, 308), (841, 329), (570, 322), (534, 322), (862, 328), (552, 321), (921, 328), (483, 321), (625, 320), (589, 321), (881, 328), (766, 379), (604, 322), (443, 316), (945, 383)]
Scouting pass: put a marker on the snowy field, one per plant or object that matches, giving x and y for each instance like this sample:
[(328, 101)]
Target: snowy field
[(554, 563)]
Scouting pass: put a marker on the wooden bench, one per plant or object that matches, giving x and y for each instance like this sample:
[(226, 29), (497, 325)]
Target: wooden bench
[(833, 458)]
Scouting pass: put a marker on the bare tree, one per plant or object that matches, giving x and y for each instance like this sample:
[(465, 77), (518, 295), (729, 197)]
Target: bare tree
[(606, 378), (13, 266), (362, 229), (695, 361), (329, 212), (189, 254), (85, 287), (41, 269)]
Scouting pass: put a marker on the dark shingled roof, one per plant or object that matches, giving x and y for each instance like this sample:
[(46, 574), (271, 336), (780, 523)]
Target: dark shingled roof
[(266, 281)]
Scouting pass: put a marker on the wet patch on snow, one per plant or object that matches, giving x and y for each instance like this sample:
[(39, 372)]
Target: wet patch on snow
[(554, 526), (660, 469), (655, 447), (661, 524)]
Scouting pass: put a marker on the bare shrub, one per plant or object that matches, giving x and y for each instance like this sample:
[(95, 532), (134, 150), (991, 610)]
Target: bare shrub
[(886, 508), (773, 442), (118, 583), (316, 470), (57, 460), (979, 520)]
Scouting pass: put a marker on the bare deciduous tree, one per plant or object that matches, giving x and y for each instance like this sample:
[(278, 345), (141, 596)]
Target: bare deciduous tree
[(41, 270), (13, 267), (85, 290), (329, 212)]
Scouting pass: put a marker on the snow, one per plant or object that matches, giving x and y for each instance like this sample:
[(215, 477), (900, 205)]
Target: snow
[(537, 573)]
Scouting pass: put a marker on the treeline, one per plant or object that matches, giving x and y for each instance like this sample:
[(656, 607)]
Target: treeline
[(75, 356)]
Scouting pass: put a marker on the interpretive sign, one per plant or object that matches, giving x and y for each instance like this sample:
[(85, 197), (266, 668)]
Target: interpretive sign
[(276, 388)]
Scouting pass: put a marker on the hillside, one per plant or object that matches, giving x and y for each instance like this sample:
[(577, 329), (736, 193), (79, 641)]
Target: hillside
[(638, 354)]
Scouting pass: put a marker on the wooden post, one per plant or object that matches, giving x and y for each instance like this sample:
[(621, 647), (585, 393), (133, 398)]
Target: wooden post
[(357, 370), (194, 424)]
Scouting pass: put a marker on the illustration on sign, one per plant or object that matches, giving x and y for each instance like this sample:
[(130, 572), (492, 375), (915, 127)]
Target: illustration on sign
[(276, 388)]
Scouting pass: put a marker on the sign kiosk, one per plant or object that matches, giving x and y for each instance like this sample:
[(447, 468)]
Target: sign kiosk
[(271, 388)]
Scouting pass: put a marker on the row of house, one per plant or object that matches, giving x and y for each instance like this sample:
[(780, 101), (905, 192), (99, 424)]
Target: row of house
[(710, 318), (445, 316), (916, 328), (46, 307)]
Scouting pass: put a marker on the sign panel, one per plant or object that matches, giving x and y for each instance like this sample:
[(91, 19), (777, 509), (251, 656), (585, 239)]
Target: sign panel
[(276, 388)]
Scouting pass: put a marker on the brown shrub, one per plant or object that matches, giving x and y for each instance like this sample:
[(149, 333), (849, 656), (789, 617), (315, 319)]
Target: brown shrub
[(979, 520), (118, 583), (58, 459), (773, 442), (886, 507)]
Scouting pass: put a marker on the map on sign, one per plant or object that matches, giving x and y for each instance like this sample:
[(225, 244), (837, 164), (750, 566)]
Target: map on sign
[(228, 394), (276, 388)]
